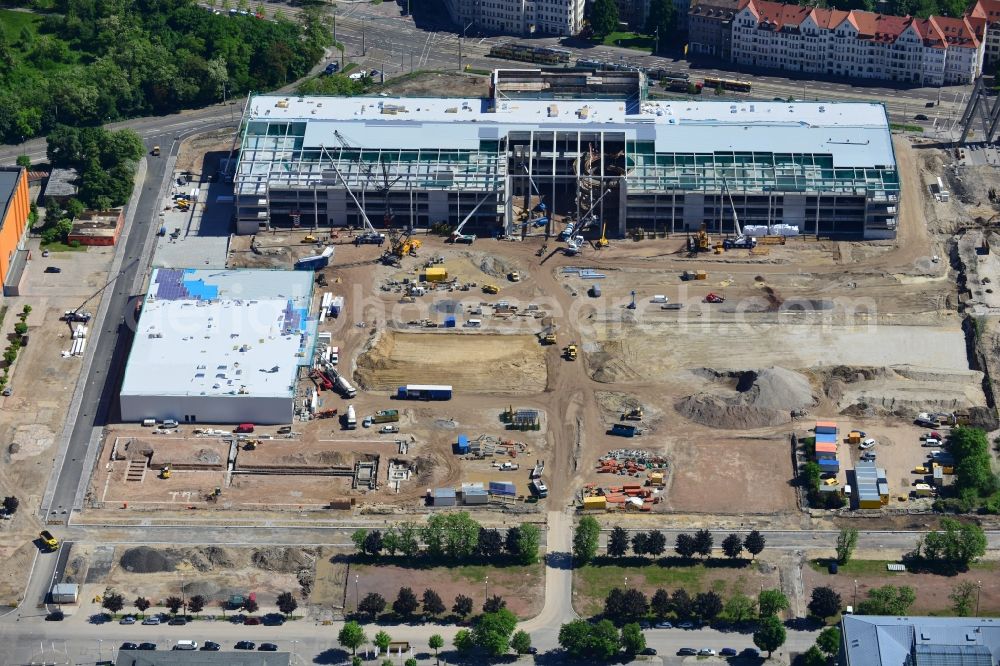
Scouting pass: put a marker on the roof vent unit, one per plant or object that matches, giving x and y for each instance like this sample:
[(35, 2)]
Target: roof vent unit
[(282, 104), (553, 111)]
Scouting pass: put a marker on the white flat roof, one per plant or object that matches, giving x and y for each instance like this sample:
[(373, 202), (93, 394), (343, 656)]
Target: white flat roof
[(222, 333), (855, 133)]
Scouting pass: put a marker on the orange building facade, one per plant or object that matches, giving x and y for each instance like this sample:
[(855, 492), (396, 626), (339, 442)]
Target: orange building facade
[(14, 209)]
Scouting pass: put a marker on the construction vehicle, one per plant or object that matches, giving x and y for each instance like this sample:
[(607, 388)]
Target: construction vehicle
[(155, 152), (491, 289), (713, 297), (457, 236), (385, 416), (165, 472), (602, 242), (570, 352), (323, 383), (369, 236), (309, 239), (48, 540), (405, 246), (514, 276), (633, 415), (740, 241), (548, 338), (700, 242)]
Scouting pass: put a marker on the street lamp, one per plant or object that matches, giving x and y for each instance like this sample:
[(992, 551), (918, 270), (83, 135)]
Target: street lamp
[(855, 594), (979, 589), (487, 588), (626, 582), (357, 595)]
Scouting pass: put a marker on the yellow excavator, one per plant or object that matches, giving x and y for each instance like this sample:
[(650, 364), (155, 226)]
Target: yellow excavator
[(405, 246), (603, 240)]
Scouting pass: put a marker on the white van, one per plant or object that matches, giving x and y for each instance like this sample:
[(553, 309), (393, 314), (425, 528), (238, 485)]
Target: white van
[(659, 298), (149, 423), (474, 323), (168, 423), (186, 645)]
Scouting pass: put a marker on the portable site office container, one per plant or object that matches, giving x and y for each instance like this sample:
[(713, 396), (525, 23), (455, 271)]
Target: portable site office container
[(444, 497), (504, 488), (826, 427), (826, 438), (462, 447), (475, 496)]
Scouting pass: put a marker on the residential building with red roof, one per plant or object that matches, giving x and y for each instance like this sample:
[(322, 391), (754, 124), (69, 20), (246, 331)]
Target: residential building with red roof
[(988, 12), (860, 45)]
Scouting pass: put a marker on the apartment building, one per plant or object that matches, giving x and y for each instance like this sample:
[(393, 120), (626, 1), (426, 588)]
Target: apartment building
[(929, 52), (989, 11), (519, 17), (710, 27)]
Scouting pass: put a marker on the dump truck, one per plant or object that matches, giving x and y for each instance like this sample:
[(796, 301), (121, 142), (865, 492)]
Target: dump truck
[(633, 415), (570, 352), (385, 416), (50, 541), (491, 289), (548, 339), (155, 152)]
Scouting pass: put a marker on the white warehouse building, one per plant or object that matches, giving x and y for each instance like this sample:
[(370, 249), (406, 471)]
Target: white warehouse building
[(217, 346)]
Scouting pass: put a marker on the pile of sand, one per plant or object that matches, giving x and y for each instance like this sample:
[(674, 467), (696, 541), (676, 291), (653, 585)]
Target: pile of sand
[(750, 399), (283, 560), (493, 265)]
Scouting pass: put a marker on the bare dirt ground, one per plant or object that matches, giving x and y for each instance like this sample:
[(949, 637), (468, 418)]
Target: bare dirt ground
[(931, 590), (438, 84), (192, 152), (471, 363)]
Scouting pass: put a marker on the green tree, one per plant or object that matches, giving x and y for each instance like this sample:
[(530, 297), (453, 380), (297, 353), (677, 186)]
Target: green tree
[(661, 22), (24, 161), (828, 641), (286, 603), (406, 603), (813, 657), (173, 604), (682, 603), (409, 539), (770, 635), (703, 542), (633, 641), (373, 543), (962, 597), (436, 642), (618, 542), (732, 546), (431, 603), (372, 604), (708, 605), (955, 546), (113, 602), (825, 602), (583, 640), (390, 542), (586, 537), (754, 543), (660, 604), (771, 602), (463, 641), (520, 642), (685, 546), (382, 640), (462, 606), (604, 18), (492, 631), (410, 662), (739, 608), (528, 540), (141, 604), (847, 541), (358, 537), (887, 600)]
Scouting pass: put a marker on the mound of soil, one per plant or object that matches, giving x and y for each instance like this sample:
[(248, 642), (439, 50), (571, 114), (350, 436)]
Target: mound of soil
[(758, 399), (493, 265), (143, 559), (283, 560)]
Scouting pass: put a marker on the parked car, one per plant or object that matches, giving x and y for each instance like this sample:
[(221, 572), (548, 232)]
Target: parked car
[(147, 646), (687, 652), (388, 429), (868, 443), (55, 616), (211, 646), (686, 625), (245, 645), (128, 619), (273, 620), (649, 651), (45, 253), (53, 269), (374, 73), (752, 653), (644, 624), (706, 652), (268, 647), (152, 619), (920, 116), (129, 646), (728, 652), (664, 625), (868, 455), (252, 621)]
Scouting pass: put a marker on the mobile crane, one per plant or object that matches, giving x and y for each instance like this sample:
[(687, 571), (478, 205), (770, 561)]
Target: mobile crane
[(741, 241), (457, 236), (369, 235)]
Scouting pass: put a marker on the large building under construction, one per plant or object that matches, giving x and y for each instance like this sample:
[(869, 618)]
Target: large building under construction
[(617, 159)]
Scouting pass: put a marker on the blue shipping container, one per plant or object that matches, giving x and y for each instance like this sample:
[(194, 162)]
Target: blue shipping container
[(505, 488), (826, 430), (449, 322), (623, 430), (825, 438), (463, 444)]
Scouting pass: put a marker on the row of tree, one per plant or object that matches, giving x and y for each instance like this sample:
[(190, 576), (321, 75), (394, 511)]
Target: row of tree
[(976, 485), (455, 536), (631, 605), (88, 61), (586, 542), (660, 24), (921, 8), (406, 605), (114, 602), (601, 640)]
